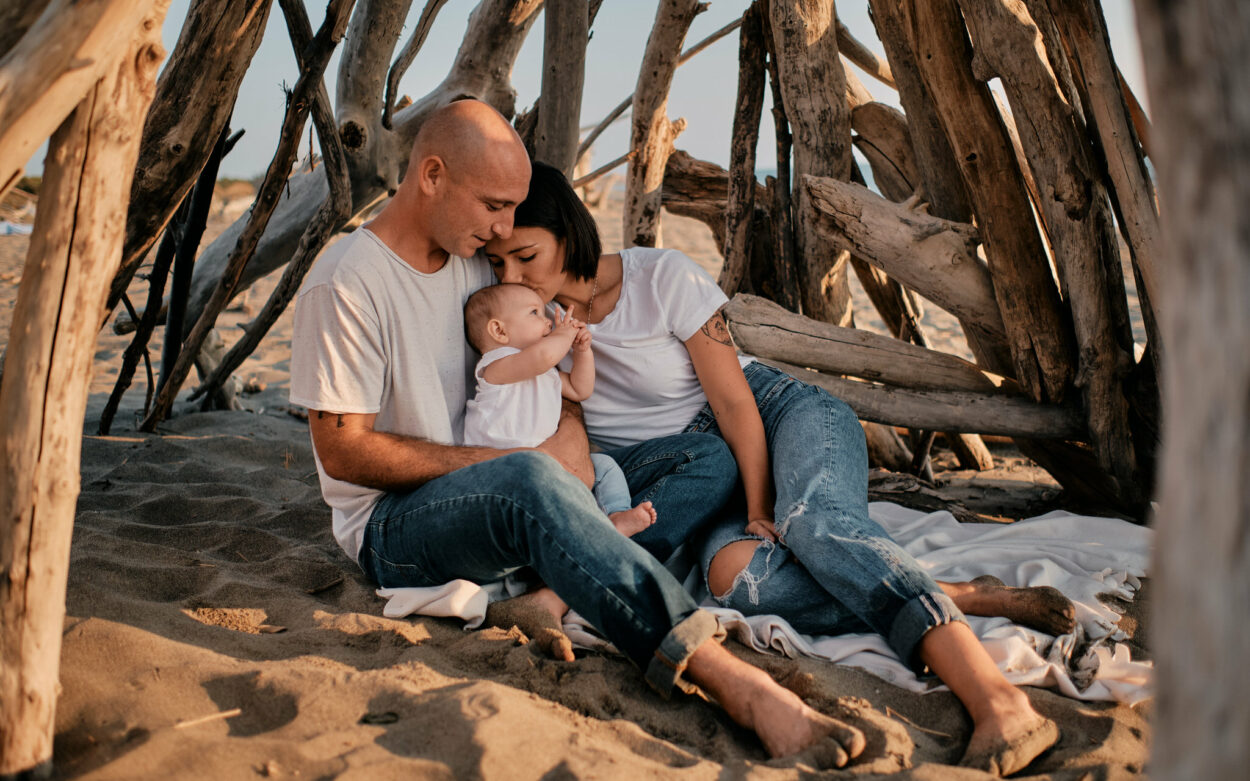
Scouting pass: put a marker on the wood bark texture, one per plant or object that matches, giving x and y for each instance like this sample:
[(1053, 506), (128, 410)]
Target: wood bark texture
[(73, 253), (813, 86), (740, 207), (45, 74), (194, 99), (1039, 336), (985, 413), (565, 33), (768, 330), (1196, 76), (652, 132), (1077, 214)]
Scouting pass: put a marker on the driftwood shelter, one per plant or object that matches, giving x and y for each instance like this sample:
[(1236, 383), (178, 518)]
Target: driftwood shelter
[(1017, 216)]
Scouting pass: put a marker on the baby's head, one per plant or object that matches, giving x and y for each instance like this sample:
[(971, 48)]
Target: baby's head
[(505, 315)]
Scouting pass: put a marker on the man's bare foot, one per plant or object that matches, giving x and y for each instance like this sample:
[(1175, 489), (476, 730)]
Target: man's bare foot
[(784, 723), (630, 522), (1006, 747), (539, 615), (1043, 608)]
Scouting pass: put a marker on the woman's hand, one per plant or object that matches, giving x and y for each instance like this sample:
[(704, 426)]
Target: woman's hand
[(763, 527)]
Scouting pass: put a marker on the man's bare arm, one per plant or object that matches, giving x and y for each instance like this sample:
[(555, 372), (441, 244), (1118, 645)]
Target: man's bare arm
[(569, 446), (351, 450)]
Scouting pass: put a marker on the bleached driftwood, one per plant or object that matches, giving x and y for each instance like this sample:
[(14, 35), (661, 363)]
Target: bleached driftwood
[(851, 48), (813, 88), (652, 132), (566, 27), (935, 257), (45, 74), (767, 330), (1196, 77), (883, 139), (309, 84), (740, 199), (987, 413), (1077, 213), (73, 253), (406, 56), (1040, 338), (330, 217), (195, 95)]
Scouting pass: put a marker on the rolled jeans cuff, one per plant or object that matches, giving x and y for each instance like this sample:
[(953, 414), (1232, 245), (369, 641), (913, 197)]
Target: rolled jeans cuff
[(670, 659), (916, 617)]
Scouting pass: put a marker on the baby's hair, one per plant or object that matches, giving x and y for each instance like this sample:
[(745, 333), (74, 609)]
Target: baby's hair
[(479, 309)]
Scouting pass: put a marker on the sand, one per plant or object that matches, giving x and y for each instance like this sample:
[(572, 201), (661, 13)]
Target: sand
[(215, 630)]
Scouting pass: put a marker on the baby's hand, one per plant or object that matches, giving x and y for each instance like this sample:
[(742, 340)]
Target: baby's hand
[(763, 527), (581, 341), (566, 325)]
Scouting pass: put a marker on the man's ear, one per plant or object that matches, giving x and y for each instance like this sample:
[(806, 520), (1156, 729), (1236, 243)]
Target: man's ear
[(495, 330), (431, 172)]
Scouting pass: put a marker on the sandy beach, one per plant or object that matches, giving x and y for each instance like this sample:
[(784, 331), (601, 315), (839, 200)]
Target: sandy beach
[(215, 630)]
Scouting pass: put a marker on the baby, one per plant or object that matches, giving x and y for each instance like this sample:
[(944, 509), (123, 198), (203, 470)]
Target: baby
[(519, 388)]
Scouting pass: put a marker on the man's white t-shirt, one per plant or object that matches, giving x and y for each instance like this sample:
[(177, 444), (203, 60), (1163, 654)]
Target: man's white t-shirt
[(645, 385), (516, 414), (374, 335)]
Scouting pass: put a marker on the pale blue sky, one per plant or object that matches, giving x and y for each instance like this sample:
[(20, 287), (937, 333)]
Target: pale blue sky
[(703, 90)]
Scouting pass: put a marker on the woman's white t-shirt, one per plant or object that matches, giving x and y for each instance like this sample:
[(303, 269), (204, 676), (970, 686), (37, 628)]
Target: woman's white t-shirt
[(516, 414), (645, 385)]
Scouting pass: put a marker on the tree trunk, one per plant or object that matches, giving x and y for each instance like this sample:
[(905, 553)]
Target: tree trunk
[(566, 29), (767, 330), (984, 413), (194, 98), (652, 134), (813, 88), (73, 253), (740, 207), (1196, 76), (1039, 336), (1078, 219), (46, 73)]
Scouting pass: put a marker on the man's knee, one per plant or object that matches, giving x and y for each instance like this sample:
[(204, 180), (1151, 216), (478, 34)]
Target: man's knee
[(530, 468)]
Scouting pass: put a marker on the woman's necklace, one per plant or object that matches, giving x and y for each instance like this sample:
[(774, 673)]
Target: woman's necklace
[(590, 305)]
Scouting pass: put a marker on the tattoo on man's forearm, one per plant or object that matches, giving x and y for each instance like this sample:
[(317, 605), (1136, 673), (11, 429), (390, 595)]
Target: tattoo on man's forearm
[(339, 424), (717, 329)]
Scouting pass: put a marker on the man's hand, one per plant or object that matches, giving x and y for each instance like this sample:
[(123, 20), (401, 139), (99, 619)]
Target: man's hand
[(569, 445)]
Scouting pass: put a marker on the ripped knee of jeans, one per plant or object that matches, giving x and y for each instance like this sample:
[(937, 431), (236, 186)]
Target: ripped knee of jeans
[(731, 568)]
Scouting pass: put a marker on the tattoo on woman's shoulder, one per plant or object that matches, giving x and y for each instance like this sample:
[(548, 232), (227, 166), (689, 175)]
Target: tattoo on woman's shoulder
[(717, 329)]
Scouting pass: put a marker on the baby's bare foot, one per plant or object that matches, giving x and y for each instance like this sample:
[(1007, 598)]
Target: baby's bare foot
[(538, 614), (1005, 747), (630, 522), (1043, 608)]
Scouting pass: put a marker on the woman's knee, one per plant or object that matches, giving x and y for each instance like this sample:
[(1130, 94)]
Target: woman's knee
[(728, 563)]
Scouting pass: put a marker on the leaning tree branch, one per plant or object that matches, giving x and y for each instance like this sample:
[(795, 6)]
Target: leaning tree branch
[(317, 56), (407, 55), (334, 212)]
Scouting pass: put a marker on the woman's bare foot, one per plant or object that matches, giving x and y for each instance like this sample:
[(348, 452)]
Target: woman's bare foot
[(630, 522), (784, 723), (1006, 747), (539, 614), (1043, 608)]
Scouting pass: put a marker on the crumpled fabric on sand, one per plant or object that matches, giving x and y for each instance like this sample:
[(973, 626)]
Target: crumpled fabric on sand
[(1082, 556)]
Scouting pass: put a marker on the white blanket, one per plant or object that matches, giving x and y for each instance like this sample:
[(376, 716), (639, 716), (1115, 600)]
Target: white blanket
[(1081, 556)]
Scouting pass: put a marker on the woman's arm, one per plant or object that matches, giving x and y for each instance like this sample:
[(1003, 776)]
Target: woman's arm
[(716, 365)]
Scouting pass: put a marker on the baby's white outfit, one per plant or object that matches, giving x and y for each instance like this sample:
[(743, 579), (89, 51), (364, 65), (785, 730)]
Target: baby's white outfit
[(523, 414)]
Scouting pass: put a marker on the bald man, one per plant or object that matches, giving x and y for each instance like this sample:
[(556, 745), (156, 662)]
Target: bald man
[(380, 360)]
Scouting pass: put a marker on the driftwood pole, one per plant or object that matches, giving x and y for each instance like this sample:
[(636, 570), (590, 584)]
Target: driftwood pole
[(565, 32), (73, 254), (652, 133), (740, 205), (194, 97), (813, 86), (43, 77), (1196, 78)]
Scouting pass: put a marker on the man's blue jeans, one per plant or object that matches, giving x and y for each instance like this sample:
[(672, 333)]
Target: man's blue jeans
[(482, 522), (836, 570)]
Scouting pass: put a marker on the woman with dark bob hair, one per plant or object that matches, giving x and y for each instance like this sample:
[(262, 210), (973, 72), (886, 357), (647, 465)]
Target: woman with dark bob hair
[(797, 541)]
